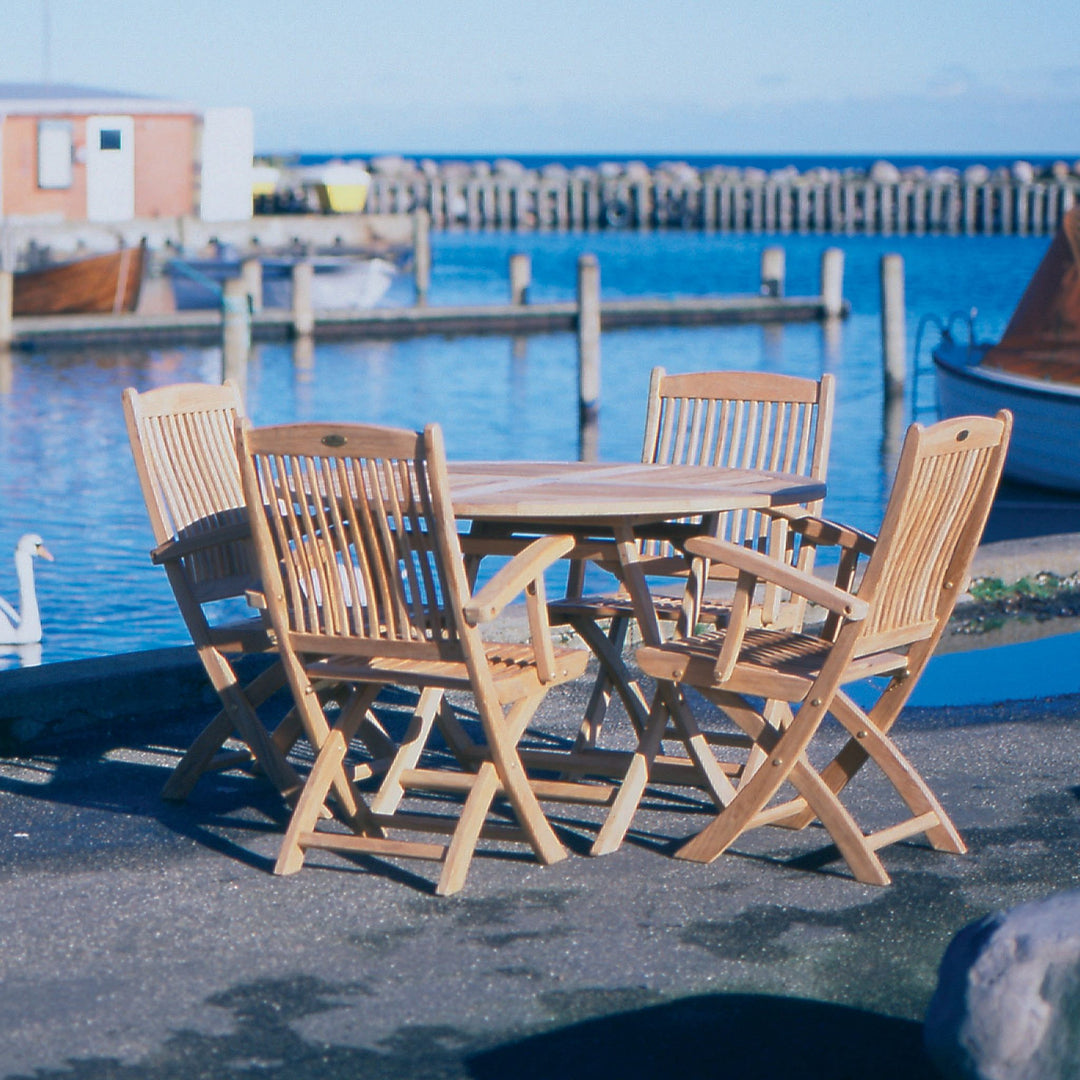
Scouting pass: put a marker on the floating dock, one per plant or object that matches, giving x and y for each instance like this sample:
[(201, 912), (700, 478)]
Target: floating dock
[(206, 327)]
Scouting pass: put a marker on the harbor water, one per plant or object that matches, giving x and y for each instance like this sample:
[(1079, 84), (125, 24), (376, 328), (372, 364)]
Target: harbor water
[(66, 470)]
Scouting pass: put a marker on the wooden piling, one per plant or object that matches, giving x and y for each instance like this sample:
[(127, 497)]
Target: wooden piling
[(235, 328), (520, 277), (7, 299), (251, 273), (588, 334), (893, 325), (421, 255), (772, 271), (303, 311), (832, 282)]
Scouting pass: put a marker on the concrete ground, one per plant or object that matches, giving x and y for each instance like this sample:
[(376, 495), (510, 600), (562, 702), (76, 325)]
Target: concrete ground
[(143, 940)]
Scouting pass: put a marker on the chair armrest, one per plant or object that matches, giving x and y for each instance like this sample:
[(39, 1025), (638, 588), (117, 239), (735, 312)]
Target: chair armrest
[(753, 568), (773, 571), (511, 581), (824, 533), (193, 543)]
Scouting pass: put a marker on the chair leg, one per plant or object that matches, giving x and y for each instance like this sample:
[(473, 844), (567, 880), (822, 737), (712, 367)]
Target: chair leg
[(326, 774), (250, 728), (457, 738), (904, 777), (391, 792), (668, 702), (502, 743), (200, 755), (309, 805), (784, 750), (853, 755), (632, 786), (850, 840), (600, 698), (717, 784), (198, 758), (607, 648), (869, 740), (466, 833)]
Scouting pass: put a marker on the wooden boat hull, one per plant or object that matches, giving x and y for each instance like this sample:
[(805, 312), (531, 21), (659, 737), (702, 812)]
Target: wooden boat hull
[(96, 285), (1045, 445)]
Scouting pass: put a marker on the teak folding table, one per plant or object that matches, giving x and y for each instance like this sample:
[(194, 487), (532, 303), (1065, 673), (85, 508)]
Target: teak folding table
[(610, 508)]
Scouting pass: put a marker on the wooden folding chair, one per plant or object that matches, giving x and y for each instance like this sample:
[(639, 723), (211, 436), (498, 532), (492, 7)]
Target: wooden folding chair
[(722, 419), (183, 440), (779, 685), (365, 584)]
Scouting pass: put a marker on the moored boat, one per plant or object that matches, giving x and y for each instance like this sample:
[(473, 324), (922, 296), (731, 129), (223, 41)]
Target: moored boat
[(94, 285), (1034, 370), (339, 282)]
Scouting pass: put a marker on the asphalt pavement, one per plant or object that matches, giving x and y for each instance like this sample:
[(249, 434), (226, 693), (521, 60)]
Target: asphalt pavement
[(143, 940)]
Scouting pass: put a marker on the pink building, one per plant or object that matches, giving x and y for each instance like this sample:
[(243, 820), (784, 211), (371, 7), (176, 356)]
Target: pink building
[(74, 154)]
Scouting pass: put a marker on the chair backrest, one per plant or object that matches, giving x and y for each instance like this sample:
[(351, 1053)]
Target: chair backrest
[(356, 540), (183, 439), (945, 484), (740, 419)]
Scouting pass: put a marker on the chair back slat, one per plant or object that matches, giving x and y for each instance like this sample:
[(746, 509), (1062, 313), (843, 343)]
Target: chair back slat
[(183, 439), (739, 420), (353, 530), (945, 484)]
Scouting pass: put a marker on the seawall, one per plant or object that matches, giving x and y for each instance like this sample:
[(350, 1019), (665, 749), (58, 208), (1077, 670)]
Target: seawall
[(883, 200)]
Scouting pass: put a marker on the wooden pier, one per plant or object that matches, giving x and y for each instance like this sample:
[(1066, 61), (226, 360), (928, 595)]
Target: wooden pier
[(241, 319), (207, 327)]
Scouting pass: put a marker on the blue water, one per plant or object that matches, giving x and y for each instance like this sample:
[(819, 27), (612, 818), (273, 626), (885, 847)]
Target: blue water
[(1044, 667), (66, 472)]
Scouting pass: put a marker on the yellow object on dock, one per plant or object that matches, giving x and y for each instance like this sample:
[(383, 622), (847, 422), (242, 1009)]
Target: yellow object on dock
[(342, 188)]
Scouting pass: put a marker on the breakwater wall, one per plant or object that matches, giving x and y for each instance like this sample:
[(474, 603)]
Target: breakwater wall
[(883, 200)]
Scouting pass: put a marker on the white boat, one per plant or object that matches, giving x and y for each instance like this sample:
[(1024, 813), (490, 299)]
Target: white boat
[(1034, 370), (339, 282)]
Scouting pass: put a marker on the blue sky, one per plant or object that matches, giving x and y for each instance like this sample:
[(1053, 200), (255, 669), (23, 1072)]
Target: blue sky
[(590, 76)]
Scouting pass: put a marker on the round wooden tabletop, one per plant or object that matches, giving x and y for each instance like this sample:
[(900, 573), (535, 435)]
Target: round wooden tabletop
[(568, 491)]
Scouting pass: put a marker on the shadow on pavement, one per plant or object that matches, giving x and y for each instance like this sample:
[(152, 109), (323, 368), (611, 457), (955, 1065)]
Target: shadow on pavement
[(747, 1035)]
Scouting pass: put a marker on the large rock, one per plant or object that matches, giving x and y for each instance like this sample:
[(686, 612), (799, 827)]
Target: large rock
[(1007, 1004)]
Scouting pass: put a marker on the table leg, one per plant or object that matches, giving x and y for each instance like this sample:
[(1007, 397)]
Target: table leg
[(668, 703)]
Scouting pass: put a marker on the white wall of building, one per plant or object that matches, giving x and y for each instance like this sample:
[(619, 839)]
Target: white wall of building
[(228, 150)]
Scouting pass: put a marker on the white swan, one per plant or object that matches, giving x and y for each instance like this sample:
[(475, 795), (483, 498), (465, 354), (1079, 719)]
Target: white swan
[(23, 627)]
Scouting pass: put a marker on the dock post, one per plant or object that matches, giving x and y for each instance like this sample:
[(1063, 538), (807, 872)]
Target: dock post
[(520, 278), (303, 311), (422, 255), (7, 300), (772, 271), (893, 330), (588, 333), (832, 282), (251, 274), (235, 329)]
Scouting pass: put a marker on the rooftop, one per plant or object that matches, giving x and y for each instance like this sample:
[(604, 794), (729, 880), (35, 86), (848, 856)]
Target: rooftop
[(42, 97)]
